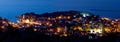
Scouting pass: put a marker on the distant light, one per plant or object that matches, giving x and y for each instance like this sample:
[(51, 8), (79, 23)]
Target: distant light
[(3, 27), (59, 17), (58, 29), (27, 21), (94, 31), (35, 29), (85, 14)]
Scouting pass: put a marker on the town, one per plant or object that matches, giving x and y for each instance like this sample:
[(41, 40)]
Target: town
[(63, 24)]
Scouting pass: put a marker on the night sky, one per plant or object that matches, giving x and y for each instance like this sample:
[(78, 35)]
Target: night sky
[(11, 8)]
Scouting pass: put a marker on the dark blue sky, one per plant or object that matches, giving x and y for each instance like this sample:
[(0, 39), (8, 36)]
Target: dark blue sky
[(11, 8)]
